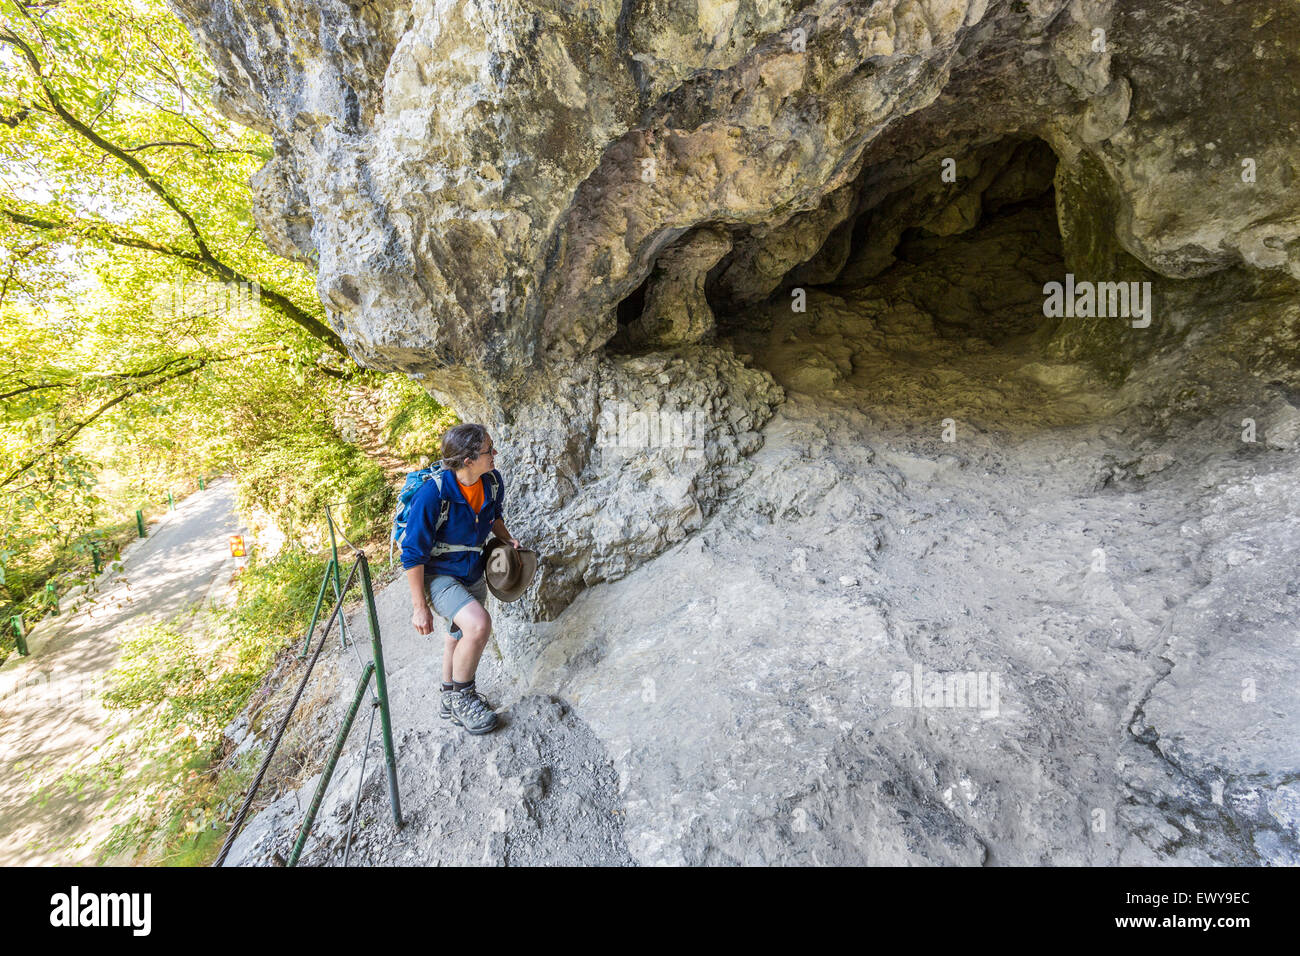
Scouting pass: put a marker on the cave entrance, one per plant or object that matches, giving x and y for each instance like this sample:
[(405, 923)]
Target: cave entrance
[(929, 300)]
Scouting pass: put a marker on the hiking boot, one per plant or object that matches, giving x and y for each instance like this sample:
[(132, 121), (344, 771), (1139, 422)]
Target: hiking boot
[(468, 711), (445, 696)]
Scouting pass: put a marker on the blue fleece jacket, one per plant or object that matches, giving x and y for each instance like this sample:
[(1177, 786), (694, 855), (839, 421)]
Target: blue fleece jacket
[(463, 527)]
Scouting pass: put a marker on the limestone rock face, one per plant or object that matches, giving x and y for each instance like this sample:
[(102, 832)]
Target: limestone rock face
[(754, 297), (482, 184)]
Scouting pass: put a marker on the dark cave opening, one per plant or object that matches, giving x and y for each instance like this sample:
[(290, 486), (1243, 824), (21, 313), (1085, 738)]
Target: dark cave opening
[(629, 310), (973, 253), (928, 299), (986, 282), (970, 247)]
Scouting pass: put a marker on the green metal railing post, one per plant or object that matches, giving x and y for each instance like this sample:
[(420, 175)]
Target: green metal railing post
[(139, 522), (381, 687), (242, 815), (171, 502), (201, 484), (20, 639), (373, 668), (315, 615), (94, 556), (52, 598), (339, 740), (338, 594)]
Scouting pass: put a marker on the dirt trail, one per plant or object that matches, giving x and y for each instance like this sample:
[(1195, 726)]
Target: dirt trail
[(51, 715), (363, 424)]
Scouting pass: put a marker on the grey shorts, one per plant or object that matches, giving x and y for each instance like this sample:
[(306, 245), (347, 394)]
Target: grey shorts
[(448, 596)]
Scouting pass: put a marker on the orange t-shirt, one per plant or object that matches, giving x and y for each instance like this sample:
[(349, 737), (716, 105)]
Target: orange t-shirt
[(473, 494)]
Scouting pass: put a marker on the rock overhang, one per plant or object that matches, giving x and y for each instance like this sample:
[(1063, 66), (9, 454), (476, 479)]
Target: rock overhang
[(481, 185)]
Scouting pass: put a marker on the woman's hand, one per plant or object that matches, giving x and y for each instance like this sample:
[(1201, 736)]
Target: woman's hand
[(423, 620), (515, 542)]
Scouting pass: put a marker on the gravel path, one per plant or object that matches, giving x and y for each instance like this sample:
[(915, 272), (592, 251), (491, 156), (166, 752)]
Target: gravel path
[(51, 716)]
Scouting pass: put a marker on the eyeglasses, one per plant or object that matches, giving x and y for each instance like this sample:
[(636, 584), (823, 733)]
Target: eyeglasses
[(489, 451)]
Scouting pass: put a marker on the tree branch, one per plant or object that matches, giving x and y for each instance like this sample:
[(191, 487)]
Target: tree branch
[(84, 131), (77, 427), (145, 373), (103, 232), (34, 388), (171, 112), (207, 265), (11, 273), (204, 258), (182, 142)]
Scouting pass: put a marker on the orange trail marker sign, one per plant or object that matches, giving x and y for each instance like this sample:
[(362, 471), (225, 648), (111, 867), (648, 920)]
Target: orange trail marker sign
[(236, 545)]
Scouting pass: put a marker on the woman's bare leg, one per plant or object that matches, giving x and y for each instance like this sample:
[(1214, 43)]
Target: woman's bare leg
[(475, 626), (448, 652)]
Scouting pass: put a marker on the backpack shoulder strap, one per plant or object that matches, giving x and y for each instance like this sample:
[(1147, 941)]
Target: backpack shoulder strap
[(437, 479)]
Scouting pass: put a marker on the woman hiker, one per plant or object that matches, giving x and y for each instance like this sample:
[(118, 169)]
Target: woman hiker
[(445, 565)]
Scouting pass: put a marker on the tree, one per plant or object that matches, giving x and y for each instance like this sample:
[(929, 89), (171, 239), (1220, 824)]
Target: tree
[(137, 301), (112, 160)]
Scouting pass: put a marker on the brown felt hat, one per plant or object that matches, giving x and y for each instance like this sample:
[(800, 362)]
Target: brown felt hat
[(509, 570)]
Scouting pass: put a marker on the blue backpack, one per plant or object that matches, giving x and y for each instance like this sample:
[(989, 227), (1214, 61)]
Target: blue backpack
[(414, 482)]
